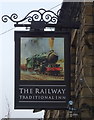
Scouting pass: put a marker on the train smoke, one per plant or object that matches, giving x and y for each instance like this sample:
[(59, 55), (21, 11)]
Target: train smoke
[(51, 43), (32, 45)]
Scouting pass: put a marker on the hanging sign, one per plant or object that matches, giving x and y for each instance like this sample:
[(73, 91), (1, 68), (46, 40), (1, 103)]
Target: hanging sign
[(42, 70)]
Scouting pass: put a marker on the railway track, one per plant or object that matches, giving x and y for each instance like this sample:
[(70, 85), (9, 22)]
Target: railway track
[(40, 77), (31, 77)]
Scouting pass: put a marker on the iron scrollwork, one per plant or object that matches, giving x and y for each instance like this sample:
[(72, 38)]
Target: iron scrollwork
[(35, 15)]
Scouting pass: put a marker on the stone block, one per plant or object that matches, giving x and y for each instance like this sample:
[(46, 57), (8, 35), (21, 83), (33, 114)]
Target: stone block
[(89, 60), (86, 100), (87, 50), (88, 19), (89, 81), (73, 60), (73, 51), (86, 92), (85, 115), (89, 9), (88, 71)]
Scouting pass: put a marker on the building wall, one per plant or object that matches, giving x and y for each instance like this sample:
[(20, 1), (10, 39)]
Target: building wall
[(82, 67), (84, 62)]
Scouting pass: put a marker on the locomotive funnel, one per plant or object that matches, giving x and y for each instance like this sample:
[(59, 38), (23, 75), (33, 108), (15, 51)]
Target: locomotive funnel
[(52, 57)]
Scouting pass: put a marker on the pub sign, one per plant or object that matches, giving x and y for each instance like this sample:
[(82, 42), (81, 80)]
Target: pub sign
[(42, 70)]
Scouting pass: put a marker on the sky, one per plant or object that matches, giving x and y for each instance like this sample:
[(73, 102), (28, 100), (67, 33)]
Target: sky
[(7, 49)]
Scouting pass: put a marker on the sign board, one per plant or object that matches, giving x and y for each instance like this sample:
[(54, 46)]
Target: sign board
[(42, 70)]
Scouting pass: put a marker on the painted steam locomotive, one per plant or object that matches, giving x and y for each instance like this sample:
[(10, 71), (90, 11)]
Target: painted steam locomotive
[(44, 63)]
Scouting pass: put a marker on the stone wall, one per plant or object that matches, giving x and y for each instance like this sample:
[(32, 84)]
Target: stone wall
[(82, 67), (84, 62)]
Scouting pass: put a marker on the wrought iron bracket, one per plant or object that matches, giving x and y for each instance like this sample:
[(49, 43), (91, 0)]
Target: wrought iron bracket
[(37, 19)]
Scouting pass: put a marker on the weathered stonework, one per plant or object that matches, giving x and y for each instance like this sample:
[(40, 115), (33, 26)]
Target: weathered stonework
[(82, 67)]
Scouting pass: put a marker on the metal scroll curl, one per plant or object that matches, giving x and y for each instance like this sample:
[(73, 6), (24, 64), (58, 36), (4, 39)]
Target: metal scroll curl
[(12, 17), (35, 15)]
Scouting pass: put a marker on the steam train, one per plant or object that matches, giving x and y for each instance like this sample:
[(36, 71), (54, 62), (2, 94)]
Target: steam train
[(44, 63)]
